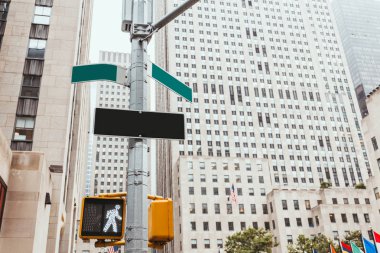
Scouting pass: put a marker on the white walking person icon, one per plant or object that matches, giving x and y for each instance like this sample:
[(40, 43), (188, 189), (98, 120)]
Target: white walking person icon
[(112, 215)]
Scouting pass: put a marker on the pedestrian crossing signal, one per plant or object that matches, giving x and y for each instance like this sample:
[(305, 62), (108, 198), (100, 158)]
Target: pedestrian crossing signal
[(102, 218)]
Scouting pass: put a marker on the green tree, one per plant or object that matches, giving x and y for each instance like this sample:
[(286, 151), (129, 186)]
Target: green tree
[(302, 245), (250, 240), (355, 236), (360, 186), (305, 245), (325, 185)]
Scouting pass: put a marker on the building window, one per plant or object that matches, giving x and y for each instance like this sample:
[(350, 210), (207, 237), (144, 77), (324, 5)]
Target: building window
[(192, 208), (344, 218), (229, 208), (299, 222), (374, 143), (307, 204), (377, 193), (204, 208), (3, 193), (332, 218), (230, 226), (4, 7), (355, 217), (36, 49), (265, 209), (42, 15), (289, 239), (217, 208), (296, 205), (219, 243), (284, 205), (218, 226), (336, 235), (193, 243), (205, 226), (24, 129), (241, 208), (193, 226), (287, 222), (366, 218), (311, 222), (207, 243)]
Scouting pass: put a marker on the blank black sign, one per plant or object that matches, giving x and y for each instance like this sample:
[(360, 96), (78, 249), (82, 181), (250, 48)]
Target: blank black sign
[(102, 217), (139, 124)]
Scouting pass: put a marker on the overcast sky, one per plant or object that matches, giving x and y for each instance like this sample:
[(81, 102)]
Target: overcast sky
[(106, 31)]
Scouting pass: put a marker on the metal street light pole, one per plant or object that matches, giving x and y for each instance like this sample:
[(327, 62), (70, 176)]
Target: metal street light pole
[(137, 180)]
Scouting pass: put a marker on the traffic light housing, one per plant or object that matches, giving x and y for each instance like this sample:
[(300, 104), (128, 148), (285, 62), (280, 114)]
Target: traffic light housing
[(160, 222), (102, 218)]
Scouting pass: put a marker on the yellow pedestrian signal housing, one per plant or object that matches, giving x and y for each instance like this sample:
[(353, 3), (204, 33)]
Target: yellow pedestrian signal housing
[(160, 222), (103, 217)]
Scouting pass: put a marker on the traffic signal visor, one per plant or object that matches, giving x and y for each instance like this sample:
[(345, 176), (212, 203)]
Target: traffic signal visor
[(160, 221)]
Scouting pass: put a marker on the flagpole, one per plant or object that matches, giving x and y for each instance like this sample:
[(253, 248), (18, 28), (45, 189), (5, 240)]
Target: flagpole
[(340, 245), (364, 244), (373, 239)]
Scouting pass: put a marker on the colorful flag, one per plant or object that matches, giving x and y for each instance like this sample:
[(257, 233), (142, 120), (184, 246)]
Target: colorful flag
[(113, 249), (376, 236), (345, 247), (369, 247), (355, 249), (332, 249), (233, 196)]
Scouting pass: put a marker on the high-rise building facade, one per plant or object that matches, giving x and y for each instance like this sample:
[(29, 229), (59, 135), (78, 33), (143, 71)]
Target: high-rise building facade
[(40, 110), (371, 126), (110, 153), (358, 26), (274, 110)]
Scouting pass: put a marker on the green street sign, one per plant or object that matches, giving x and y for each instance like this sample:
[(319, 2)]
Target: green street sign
[(171, 82), (97, 72)]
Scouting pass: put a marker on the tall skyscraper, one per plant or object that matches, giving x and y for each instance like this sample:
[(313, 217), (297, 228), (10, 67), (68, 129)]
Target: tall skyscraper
[(40, 110), (358, 26), (110, 153), (107, 156), (274, 115)]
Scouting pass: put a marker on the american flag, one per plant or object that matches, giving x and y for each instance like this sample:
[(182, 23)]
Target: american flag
[(233, 196), (113, 249)]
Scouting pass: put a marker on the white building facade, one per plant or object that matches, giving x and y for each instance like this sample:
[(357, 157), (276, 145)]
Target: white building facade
[(274, 109), (371, 126)]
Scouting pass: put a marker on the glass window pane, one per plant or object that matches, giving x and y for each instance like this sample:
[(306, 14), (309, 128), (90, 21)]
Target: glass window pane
[(29, 122), (27, 91), (20, 123), (43, 20), (23, 135)]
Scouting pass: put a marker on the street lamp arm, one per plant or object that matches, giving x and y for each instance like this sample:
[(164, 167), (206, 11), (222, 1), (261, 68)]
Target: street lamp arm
[(173, 14)]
